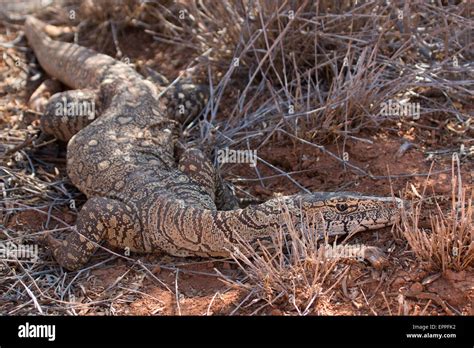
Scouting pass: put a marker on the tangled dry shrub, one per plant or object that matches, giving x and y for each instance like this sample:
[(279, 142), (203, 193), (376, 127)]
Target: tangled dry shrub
[(450, 243), (318, 70)]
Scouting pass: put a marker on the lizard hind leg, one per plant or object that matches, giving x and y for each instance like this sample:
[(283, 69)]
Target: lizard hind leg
[(100, 219), (66, 113), (40, 97)]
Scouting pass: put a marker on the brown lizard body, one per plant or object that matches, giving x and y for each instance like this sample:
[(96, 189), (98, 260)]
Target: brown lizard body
[(139, 195)]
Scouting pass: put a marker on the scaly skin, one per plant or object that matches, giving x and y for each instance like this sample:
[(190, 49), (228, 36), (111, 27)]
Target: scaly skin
[(139, 196)]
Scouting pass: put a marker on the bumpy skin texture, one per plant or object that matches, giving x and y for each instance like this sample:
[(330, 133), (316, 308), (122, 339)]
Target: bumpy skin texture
[(139, 195)]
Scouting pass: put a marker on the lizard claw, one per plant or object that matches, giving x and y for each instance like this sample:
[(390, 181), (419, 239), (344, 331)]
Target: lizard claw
[(49, 241), (377, 258)]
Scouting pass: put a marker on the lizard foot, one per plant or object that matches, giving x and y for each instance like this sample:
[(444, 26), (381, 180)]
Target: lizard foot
[(377, 258)]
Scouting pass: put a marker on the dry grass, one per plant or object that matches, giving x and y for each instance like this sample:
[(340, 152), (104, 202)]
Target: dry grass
[(321, 72), (450, 243), (292, 271), (312, 69)]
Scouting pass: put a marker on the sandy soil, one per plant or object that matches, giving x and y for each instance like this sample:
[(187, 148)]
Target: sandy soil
[(192, 286)]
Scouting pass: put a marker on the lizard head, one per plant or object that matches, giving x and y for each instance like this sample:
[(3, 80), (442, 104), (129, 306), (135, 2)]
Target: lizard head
[(347, 212)]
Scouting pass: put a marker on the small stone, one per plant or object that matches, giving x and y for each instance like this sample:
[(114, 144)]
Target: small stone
[(431, 278), (397, 283), (276, 311), (456, 276), (416, 288)]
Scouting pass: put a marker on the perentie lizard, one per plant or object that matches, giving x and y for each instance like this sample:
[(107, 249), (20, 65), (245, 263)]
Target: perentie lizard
[(140, 196)]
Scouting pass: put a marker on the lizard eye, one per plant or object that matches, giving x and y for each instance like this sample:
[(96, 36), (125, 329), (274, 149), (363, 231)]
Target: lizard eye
[(341, 206)]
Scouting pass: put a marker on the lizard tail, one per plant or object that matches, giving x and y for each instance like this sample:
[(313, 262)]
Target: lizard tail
[(76, 66), (34, 29)]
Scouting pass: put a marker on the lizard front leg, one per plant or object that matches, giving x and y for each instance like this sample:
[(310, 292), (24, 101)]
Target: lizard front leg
[(68, 112), (184, 102), (198, 167), (195, 164)]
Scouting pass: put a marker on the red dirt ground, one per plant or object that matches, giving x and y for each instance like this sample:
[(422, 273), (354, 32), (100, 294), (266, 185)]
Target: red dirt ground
[(402, 288)]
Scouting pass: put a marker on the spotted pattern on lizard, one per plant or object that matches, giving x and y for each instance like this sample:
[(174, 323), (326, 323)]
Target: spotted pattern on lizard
[(140, 195)]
